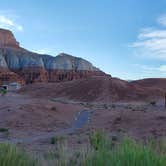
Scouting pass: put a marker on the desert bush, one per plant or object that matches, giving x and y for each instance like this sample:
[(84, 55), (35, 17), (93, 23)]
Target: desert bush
[(113, 106), (11, 156), (127, 153), (98, 140), (153, 103), (4, 130), (57, 140), (53, 140), (59, 156), (54, 108), (105, 106), (3, 92), (106, 152), (102, 152)]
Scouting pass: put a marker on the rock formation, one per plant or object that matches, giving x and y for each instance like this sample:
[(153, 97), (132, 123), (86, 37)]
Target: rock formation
[(7, 39), (19, 64)]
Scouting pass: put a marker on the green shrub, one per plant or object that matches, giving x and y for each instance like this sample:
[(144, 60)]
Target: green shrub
[(3, 92), (101, 153), (98, 140), (153, 103), (127, 153), (11, 156), (60, 156), (53, 140), (4, 130), (106, 152)]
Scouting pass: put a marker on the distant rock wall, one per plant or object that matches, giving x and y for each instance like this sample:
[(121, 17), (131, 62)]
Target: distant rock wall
[(32, 67)]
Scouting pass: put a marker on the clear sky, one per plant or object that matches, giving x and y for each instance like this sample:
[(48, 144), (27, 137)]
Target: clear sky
[(126, 38)]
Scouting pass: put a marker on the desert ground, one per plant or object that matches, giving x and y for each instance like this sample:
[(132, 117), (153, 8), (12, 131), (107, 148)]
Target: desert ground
[(30, 118)]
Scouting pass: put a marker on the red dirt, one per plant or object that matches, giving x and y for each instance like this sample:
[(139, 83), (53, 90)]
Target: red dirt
[(96, 89), (26, 115), (31, 111), (134, 122)]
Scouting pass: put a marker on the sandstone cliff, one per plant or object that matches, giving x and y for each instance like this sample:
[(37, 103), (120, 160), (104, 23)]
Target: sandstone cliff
[(29, 67), (7, 39)]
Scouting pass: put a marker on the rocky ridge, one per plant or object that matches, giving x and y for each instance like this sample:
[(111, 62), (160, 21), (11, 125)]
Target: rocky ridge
[(28, 67)]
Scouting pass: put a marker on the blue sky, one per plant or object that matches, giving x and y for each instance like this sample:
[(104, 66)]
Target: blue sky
[(126, 38)]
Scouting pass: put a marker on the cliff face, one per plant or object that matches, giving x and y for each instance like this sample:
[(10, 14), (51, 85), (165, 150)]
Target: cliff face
[(7, 39), (32, 67)]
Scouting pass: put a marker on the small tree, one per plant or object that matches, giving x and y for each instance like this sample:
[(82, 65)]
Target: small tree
[(3, 92)]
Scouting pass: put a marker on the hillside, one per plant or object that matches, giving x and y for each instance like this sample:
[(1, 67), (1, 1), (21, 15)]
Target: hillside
[(95, 89)]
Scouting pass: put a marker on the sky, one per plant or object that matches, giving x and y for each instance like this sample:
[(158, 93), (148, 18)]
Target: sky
[(125, 38)]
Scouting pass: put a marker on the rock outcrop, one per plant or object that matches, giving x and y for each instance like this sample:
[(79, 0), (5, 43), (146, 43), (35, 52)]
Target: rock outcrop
[(7, 39), (32, 67)]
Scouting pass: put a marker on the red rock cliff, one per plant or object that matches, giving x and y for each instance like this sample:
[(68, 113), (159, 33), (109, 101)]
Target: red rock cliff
[(7, 39)]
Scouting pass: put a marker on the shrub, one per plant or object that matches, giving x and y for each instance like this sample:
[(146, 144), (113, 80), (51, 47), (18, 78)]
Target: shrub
[(98, 140), (11, 156), (127, 153), (4, 130), (105, 106), (105, 152), (3, 92), (57, 139), (153, 103), (101, 153), (54, 108), (113, 106)]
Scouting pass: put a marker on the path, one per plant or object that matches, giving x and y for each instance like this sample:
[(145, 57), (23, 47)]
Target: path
[(81, 119)]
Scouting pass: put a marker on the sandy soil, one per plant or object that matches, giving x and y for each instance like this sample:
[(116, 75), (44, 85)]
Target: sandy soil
[(141, 121), (25, 115)]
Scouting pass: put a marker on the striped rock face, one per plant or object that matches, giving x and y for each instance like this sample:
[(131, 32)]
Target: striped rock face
[(33, 67)]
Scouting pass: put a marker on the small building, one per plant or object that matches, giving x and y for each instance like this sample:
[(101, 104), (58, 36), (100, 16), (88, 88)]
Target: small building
[(11, 86), (14, 86)]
